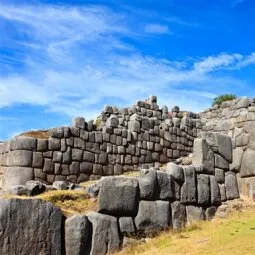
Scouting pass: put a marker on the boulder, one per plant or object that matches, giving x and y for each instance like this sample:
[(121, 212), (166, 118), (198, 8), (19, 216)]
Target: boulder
[(188, 189), (176, 171), (18, 190), (178, 211), (77, 230), (30, 226), (152, 216), (35, 188), (148, 184), (194, 214), (118, 196), (165, 186), (60, 185), (105, 236), (231, 186), (203, 189)]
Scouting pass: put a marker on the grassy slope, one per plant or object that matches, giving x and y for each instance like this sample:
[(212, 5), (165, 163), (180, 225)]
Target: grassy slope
[(232, 236)]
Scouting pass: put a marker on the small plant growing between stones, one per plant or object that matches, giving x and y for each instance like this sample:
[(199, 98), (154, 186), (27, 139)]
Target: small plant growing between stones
[(220, 99)]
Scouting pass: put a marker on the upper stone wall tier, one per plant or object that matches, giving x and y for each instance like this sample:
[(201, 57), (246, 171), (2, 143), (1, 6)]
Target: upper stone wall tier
[(237, 119), (124, 141)]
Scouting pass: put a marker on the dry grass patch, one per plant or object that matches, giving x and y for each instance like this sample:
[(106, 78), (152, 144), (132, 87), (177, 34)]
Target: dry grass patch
[(70, 202), (41, 134), (234, 235)]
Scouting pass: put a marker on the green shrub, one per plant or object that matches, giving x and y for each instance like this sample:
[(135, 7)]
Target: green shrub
[(226, 97)]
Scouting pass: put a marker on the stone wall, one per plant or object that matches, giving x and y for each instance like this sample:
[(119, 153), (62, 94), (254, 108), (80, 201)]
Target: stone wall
[(237, 119), (121, 140), (157, 200)]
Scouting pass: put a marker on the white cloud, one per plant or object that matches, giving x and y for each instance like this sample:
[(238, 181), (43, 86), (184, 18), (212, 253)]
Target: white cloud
[(236, 3), (74, 61), (156, 29)]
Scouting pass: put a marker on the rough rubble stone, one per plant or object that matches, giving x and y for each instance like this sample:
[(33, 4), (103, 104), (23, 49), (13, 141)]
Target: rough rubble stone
[(77, 230), (30, 226), (105, 236), (35, 188), (152, 215), (118, 196), (60, 185)]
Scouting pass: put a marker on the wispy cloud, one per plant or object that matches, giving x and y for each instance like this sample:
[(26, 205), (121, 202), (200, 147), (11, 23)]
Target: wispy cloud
[(157, 29), (75, 59), (236, 3)]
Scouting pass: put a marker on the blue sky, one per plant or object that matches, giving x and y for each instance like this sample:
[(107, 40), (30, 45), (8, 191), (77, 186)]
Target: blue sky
[(60, 59)]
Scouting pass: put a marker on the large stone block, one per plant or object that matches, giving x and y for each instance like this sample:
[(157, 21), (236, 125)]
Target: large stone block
[(126, 225), (118, 196), (203, 156), (112, 121), (77, 230), (105, 236), (30, 226), (215, 191), (224, 144), (231, 186), (188, 189), (237, 159), (54, 144), (220, 162), (178, 211), (148, 184), (23, 143), (152, 216), (194, 214), (175, 171), (203, 189), (20, 158), (165, 186), (17, 176), (134, 126), (248, 163)]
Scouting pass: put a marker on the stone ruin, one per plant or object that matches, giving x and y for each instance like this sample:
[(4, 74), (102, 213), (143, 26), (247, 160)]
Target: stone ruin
[(161, 198)]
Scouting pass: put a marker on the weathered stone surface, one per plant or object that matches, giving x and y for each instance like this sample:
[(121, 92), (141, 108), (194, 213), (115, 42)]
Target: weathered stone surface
[(224, 144), (54, 144), (134, 126), (148, 184), (56, 132), (188, 190), (30, 226), (152, 215), (18, 190), (48, 167), (165, 186), (118, 196), (243, 103), (86, 168), (219, 175), (37, 160), (222, 192), (113, 121), (79, 122), (77, 230), (231, 186), (194, 214), (203, 189), (89, 156), (126, 225), (220, 162), (20, 158), (17, 176), (248, 163), (74, 168), (77, 155), (237, 159), (203, 156), (42, 145), (105, 236), (176, 171), (23, 143), (215, 191), (178, 215)]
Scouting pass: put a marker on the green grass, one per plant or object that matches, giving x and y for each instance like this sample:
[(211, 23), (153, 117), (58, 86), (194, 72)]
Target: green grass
[(234, 235)]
